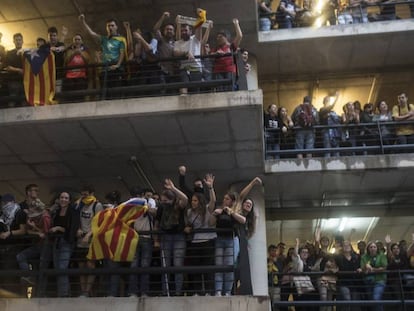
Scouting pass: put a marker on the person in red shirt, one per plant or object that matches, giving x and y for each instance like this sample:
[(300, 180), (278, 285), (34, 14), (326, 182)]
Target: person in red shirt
[(76, 56), (225, 66)]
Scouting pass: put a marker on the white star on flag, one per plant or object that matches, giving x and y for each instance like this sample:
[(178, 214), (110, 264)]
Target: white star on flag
[(33, 53)]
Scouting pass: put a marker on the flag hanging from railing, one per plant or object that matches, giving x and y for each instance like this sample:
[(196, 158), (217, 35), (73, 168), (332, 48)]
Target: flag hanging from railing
[(112, 236), (39, 76)]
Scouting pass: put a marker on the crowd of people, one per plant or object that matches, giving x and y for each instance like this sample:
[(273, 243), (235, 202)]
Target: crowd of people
[(173, 51), (185, 226), (376, 271), (356, 127), (291, 13)]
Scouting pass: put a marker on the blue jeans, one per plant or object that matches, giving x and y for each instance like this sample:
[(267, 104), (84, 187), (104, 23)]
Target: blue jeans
[(62, 251), (377, 291), (224, 256), (330, 142), (42, 253), (173, 249), (305, 139), (143, 257)]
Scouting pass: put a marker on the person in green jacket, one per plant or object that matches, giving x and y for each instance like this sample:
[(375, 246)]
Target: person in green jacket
[(373, 262)]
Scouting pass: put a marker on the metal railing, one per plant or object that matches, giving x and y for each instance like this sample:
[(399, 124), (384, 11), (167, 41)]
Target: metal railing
[(143, 79), (44, 278), (350, 140), (345, 291)]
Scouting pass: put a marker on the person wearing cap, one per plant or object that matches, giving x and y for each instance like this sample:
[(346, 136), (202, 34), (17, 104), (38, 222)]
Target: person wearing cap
[(37, 225)]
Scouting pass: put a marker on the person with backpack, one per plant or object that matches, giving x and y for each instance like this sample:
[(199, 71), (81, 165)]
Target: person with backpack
[(305, 116), (331, 136), (87, 206)]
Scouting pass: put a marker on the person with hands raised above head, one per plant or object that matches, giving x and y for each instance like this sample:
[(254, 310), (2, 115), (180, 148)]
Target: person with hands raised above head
[(201, 247), (228, 216), (170, 221), (114, 51)]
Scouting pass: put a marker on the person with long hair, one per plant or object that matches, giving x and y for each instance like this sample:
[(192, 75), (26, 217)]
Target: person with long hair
[(228, 216), (65, 224), (170, 217), (373, 262), (201, 247)]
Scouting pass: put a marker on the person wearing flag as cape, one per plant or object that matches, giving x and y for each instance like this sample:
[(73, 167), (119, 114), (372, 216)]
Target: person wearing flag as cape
[(114, 52)]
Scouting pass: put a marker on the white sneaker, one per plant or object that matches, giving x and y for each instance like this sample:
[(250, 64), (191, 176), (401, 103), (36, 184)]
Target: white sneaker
[(218, 294)]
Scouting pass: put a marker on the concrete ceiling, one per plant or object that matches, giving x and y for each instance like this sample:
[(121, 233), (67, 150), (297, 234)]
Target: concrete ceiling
[(67, 152)]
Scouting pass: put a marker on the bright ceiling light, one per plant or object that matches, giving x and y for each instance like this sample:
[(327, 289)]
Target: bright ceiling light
[(343, 223)]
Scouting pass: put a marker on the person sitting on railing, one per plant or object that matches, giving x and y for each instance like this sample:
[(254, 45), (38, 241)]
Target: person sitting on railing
[(404, 111), (327, 116), (14, 66), (305, 116), (113, 52), (166, 42), (372, 264), (225, 67), (201, 244), (350, 117), (272, 132), (384, 115), (76, 55)]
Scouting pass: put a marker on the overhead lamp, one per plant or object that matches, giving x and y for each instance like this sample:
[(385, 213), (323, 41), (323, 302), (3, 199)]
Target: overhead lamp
[(344, 221)]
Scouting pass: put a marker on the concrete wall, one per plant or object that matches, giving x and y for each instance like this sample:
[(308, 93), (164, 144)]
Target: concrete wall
[(236, 303)]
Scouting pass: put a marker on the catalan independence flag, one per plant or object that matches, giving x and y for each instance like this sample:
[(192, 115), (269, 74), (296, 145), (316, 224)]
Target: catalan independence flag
[(112, 236), (39, 76)]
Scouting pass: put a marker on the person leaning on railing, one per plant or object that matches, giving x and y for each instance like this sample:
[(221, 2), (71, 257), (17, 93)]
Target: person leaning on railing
[(76, 55), (372, 264), (404, 111), (384, 115), (13, 224), (201, 244)]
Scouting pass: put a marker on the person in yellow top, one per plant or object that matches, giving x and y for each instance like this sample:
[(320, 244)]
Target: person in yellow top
[(404, 112)]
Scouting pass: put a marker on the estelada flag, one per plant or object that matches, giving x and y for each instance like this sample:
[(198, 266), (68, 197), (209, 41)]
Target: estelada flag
[(39, 76), (112, 236)]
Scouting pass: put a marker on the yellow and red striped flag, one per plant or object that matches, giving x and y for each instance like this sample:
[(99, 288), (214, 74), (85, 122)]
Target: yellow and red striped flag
[(39, 76), (112, 236)]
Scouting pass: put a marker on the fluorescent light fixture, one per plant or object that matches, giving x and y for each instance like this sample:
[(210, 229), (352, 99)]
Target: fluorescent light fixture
[(343, 223)]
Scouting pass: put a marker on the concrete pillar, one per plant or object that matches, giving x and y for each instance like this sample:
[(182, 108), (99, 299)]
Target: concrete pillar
[(257, 243)]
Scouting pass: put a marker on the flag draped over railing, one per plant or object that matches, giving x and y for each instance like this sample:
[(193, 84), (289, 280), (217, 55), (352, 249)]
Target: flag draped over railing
[(112, 236), (39, 76)]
